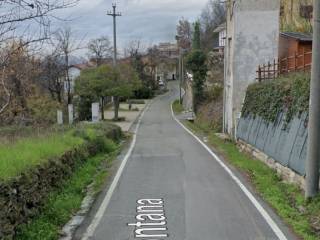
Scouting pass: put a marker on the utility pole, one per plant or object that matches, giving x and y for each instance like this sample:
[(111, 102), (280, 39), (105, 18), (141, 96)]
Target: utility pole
[(313, 154), (114, 14), (180, 74)]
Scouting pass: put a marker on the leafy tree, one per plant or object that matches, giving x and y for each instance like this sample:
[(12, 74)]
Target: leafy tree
[(105, 80), (196, 62), (91, 86), (147, 83), (196, 36), (123, 84)]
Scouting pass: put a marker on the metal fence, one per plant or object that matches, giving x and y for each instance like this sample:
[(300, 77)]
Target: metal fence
[(295, 63)]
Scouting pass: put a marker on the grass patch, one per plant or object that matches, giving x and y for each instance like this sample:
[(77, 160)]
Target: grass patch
[(25, 153), (66, 201), (177, 107), (287, 199)]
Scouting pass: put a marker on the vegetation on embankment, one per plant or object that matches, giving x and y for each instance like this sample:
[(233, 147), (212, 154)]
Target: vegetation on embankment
[(209, 115), (287, 199), (66, 201), (28, 152), (28, 191), (288, 94), (177, 107)]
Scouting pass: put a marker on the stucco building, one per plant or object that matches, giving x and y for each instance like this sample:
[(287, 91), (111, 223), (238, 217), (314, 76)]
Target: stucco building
[(252, 39)]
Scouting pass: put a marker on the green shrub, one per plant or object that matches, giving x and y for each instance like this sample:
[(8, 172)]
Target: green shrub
[(83, 106), (42, 110), (103, 144), (144, 93)]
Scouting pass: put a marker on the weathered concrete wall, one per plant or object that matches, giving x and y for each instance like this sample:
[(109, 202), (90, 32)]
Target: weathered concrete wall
[(285, 144), (252, 39), (187, 100)]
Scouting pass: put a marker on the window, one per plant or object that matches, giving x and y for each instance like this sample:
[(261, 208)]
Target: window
[(306, 11)]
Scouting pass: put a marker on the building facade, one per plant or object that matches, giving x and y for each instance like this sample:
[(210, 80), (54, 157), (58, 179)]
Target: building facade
[(221, 32), (252, 39), (168, 50)]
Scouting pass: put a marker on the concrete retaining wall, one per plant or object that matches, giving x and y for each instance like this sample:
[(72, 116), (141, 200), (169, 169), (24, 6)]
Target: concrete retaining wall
[(286, 144)]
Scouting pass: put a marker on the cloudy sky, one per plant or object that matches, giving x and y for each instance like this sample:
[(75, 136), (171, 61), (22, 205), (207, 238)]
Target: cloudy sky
[(150, 21)]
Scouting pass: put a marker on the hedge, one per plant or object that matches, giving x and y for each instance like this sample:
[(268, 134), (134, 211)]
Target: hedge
[(288, 94)]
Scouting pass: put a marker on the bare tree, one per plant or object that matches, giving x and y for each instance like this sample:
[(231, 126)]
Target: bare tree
[(100, 49), (52, 75), (19, 70), (133, 48), (153, 61), (184, 34), (5, 98), (27, 19), (19, 16), (66, 45), (211, 17)]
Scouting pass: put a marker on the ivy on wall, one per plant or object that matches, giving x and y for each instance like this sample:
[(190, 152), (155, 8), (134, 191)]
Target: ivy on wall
[(288, 94)]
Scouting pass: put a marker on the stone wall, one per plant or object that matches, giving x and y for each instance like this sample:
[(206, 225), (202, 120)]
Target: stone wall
[(286, 173)]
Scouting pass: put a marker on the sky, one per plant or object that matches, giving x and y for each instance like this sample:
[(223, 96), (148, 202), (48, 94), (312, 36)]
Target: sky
[(150, 21)]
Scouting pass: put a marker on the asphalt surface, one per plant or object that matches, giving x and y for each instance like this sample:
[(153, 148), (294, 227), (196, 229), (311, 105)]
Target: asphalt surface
[(200, 201)]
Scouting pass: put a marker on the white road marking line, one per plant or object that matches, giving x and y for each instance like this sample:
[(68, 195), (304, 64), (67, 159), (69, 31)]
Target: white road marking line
[(253, 200), (99, 214)]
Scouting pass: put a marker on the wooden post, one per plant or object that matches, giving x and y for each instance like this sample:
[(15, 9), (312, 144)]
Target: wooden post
[(264, 71), (274, 69), (295, 61), (259, 73), (303, 60)]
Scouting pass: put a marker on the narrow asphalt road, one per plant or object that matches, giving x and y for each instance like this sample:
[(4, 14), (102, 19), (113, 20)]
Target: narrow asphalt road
[(172, 188)]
